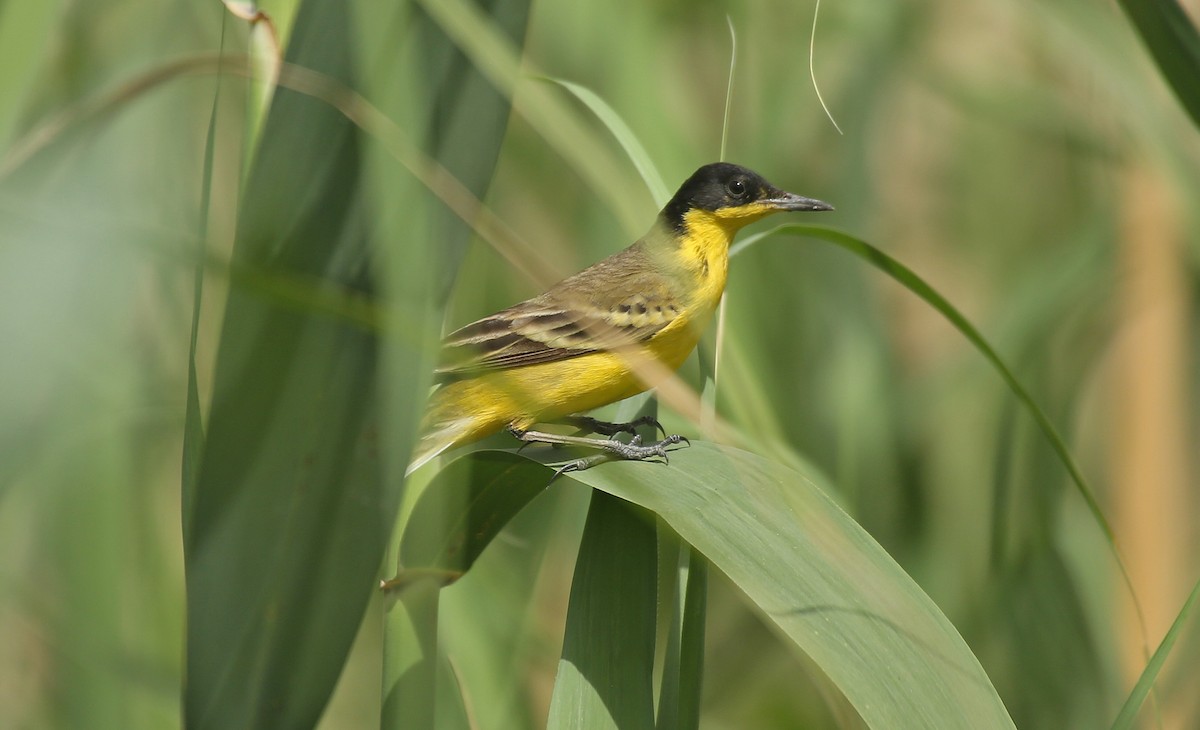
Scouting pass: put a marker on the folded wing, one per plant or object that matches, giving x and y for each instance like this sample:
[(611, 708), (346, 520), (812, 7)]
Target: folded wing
[(611, 305)]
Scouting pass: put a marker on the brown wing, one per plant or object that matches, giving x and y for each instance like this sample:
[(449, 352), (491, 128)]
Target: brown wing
[(618, 302)]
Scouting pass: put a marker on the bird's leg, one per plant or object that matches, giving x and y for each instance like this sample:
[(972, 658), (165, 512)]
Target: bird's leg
[(634, 450), (587, 424)]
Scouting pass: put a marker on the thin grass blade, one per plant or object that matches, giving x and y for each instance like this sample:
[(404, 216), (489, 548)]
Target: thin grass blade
[(1174, 44), (624, 135), (918, 286), (1129, 711)]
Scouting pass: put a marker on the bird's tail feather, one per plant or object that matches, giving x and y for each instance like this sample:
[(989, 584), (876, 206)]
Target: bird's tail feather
[(438, 439)]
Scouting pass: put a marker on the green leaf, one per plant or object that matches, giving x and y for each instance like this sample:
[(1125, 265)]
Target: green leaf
[(446, 544), (605, 676), (683, 668), (1172, 39), (412, 662), (691, 643), (918, 286), (453, 115), (496, 58), (822, 580), (625, 137), (287, 522), (193, 424), (1129, 711)]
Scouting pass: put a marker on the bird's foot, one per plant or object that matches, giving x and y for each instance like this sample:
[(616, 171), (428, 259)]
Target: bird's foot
[(633, 450)]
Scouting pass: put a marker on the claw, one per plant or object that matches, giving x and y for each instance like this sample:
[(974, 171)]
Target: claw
[(568, 467), (577, 465), (648, 421)]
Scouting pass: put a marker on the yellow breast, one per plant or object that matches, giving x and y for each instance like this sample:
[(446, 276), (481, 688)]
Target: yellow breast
[(698, 264)]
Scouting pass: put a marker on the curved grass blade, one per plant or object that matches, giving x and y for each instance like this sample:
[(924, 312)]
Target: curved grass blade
[(1145, 684), (554, 120), (624, 136), (1172, 40), (818, 576), (918, 286), (729, 86)]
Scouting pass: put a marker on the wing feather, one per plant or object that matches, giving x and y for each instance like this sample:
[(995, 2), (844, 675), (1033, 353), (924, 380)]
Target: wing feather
[(616, 303)]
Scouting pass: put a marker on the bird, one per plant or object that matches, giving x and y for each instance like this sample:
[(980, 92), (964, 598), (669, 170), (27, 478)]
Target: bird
[(574, 347)]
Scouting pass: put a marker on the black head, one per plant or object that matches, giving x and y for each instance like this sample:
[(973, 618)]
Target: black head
[(732, 192)]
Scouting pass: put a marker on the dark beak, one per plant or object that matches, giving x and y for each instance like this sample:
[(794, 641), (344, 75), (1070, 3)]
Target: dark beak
[(791, 201)]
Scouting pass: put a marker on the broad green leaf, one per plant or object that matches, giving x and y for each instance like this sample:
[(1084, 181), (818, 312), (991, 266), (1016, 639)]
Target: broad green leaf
[(821, 579), (287, 524), (813, 572), (1172, 40), (605, 676), (492, 629), (454, 116), (445, 544), (411, 656)]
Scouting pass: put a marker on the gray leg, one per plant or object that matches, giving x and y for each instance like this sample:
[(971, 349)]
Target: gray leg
[(634, 450)]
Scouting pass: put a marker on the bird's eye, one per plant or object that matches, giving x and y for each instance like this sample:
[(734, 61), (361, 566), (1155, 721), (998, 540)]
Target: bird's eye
[(736, 188)]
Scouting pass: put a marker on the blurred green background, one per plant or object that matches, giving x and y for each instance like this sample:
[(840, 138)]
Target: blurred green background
[(1026, 159)]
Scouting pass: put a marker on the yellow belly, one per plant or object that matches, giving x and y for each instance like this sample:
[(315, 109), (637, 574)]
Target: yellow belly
[(475, 407), (523, 396)]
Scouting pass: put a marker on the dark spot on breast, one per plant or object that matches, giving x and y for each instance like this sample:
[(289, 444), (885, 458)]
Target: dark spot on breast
[(641, 307), (624, 308), (658, 309)]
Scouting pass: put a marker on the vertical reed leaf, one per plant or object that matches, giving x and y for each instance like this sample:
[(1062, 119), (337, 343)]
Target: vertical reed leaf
[(287, 526)]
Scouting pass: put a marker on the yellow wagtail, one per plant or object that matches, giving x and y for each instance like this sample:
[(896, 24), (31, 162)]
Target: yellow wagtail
[(576, 347)]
